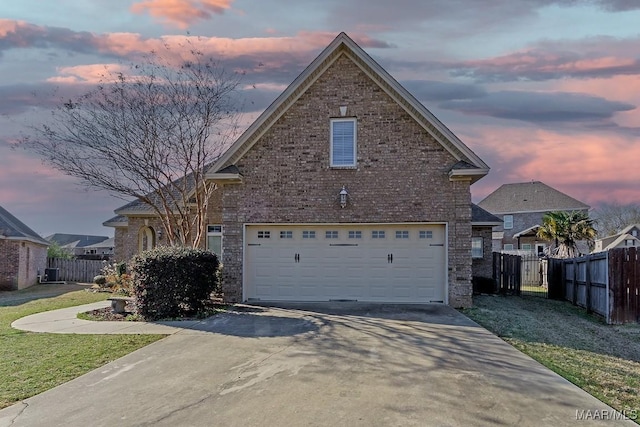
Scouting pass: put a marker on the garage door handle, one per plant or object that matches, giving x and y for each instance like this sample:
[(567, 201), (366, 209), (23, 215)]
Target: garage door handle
[(436, 244), (390, 258), (296, 258)]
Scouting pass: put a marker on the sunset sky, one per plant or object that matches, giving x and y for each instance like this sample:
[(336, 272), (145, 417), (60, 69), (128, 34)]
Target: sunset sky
[(540, 89)]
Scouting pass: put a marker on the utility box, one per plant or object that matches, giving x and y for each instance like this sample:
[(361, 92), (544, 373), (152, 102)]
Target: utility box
[(51, 274)]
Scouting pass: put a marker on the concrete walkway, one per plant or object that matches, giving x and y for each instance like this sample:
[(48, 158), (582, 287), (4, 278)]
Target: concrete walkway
[(355, 365), (65, 321)]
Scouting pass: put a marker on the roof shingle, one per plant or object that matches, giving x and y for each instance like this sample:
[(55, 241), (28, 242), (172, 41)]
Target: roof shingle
[(12, 228), (533, 196)]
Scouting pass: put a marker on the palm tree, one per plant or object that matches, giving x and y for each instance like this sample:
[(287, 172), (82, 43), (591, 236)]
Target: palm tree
[(566, 229)]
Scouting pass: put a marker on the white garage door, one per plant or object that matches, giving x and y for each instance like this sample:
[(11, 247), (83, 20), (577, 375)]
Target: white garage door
[(383, 263)]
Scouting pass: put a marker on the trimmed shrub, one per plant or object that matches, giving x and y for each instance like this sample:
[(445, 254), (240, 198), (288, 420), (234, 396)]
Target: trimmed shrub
[(100, 280), (173, 282)]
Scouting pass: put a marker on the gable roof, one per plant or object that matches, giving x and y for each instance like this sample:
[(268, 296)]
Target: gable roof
[(628, 228), (75, 240), (472, 165), (621, 238), (607, 241), (533, 196), (11, 228)]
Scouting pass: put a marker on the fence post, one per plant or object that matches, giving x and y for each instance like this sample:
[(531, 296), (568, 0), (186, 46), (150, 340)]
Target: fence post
[(575, 282), (587, 280)]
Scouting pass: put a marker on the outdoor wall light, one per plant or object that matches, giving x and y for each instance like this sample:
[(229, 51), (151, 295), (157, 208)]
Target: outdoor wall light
[(343, 197), (343, 110), (159, 234)]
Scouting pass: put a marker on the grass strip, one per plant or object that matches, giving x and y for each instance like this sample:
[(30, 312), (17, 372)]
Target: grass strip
[(31, 363)]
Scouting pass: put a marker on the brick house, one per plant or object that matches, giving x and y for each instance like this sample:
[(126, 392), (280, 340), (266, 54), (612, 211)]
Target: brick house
[(521, 207), (23, 253), (345, 188)]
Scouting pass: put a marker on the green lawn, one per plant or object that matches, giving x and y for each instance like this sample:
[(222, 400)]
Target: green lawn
[(604, 360), (31, 363)]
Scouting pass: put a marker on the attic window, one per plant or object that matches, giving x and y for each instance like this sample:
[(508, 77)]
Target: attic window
[(343, 143)]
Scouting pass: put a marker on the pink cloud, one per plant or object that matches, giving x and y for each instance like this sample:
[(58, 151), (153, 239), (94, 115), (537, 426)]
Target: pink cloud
[(8, 26), (182, 13), (93, 73), (585, 58), (619, 88), (593, 168)]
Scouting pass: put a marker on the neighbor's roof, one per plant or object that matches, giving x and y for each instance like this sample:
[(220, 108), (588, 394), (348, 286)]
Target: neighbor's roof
[(533, 196), (628, 228), (109, 243), (472, 167), (533, 229), (12, 228), (75, 240), (480, 216), (621, 238)]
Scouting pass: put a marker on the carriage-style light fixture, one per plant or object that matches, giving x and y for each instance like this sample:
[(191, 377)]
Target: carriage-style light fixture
[(343, 197), (159, 233)]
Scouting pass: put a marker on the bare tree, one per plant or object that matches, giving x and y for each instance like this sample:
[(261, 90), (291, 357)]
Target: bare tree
[(612, 218), (149, 134)]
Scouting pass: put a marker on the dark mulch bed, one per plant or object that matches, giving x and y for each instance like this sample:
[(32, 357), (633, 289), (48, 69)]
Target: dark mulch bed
[(131, 313), (107, 314)]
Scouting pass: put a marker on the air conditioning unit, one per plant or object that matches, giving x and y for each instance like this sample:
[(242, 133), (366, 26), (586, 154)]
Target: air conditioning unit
[(51, 274)]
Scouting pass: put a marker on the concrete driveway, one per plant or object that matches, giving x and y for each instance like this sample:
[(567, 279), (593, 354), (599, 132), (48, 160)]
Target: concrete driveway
[(340, 365)]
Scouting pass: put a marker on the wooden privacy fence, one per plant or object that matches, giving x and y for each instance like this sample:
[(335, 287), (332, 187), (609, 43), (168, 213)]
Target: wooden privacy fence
[(507, 273), (76, 270), (607, 283)]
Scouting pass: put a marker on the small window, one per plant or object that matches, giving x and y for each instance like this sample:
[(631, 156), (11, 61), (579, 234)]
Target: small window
[(343, 142), (264, 234), (331, 234), (214, 239), (508, 247), (508, 222), (526, 246), (477, 250), (428, 234), (404, 234), (355, 234), (375, 234), (286, 234), (308, 234), (634, 233)]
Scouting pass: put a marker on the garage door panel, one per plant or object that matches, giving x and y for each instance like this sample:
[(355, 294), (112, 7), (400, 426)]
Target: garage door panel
[(379, 265)]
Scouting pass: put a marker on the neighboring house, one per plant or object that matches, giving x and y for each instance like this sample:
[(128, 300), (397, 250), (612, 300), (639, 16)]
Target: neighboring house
[(23, 253), (76, 244), (104, 248), (521, 207), (345, 188), (629, 237)]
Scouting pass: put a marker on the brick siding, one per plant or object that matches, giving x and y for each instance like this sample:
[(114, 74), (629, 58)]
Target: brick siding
[(401, 175), (483, 267), (20, 263)]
